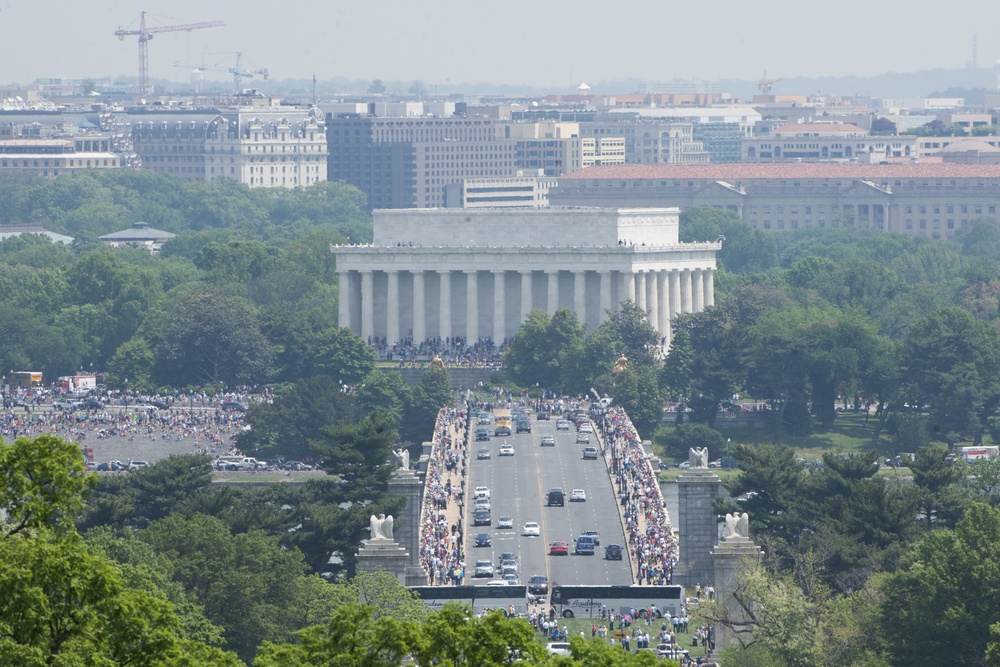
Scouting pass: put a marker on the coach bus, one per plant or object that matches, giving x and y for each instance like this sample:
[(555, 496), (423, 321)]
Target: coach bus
[(480, 598), (588, 601)]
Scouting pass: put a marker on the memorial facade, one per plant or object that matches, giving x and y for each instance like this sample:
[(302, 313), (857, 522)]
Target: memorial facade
[(477, 273)]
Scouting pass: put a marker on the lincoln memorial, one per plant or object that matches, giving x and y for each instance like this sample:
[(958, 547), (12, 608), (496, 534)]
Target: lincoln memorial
[(476, 273)]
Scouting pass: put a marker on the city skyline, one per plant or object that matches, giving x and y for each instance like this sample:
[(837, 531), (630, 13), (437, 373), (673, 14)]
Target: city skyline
[(555, 44)]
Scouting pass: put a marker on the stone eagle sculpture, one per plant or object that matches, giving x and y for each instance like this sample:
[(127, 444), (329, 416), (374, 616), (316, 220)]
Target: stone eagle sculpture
[(698, 458), (381, 527), (737, 525), (403, 457)]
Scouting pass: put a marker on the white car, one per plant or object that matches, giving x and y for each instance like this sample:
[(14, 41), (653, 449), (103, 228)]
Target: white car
[(578, 495), (586, 427), (505, 522), (562, 425), (583, 438), (482, 492), (484, 568), (498, 582), (558, 648), (482, 504), (532, 529), (506, 450)]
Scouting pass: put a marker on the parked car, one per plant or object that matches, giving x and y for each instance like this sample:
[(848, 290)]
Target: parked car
[(531, 529), (548, 441), (557, 648), (559, 548), (235, 405), (65, 404), (135, 465), (483, 540)]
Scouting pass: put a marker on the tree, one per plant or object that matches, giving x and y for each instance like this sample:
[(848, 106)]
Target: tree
[(683, 437), (43, 483), (745, 250), (769, 478), (376, 87), (311, 347), (385, 391), (132, 361), (360, 455), (638, 393), (883, 126), (532, 357), (935, 476), (211, 337), (939, 605), (631, 334), (675, 376)]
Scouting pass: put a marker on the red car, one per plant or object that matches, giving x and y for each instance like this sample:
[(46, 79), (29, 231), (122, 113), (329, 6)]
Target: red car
[(559, 549)]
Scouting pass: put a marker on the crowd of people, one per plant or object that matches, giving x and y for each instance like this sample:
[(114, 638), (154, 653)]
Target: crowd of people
[(441, 545), (651, 540), (453, 351), (197, 419)]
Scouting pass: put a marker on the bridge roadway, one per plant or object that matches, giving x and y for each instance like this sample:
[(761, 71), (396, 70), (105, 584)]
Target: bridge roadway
[(519, 487)]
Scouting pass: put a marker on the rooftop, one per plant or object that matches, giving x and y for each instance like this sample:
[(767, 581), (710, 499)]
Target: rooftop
[(804, 170)]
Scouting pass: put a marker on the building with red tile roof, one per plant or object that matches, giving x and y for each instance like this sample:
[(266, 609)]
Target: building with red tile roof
[(931, 200)]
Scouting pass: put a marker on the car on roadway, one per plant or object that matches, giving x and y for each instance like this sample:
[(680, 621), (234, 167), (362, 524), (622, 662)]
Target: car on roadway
[(502, 430), (584, 545), (497, 582), (506, 450), (556, 496), (590, 453), (506, 555), (483, 454), (542, 416), (483, 568), (586, 427), (593, 533), (538, 584), (523, 426), (548, 441), (531, 529), (613, 552), (511, 579), (483, 419), (483, 540), (578, 496), (136, 465), (508, 571), (583, 438), (507, 562), (562, 425), (481, 504), (482, 434), (505, 522), (64, 404), (482, 492), (482, 518), (559, 548), (235, 405)]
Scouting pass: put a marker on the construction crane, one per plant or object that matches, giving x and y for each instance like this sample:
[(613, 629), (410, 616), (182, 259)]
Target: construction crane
[(146, 33), (765, 84), (238, 71)]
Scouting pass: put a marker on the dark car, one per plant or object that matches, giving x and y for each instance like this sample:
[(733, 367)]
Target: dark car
[(538, 585), (161, 404), (483, 540), (542, 417), (482, 433), (482, 518), (235, 405), (523, 426), (613, 552), (556, 497)]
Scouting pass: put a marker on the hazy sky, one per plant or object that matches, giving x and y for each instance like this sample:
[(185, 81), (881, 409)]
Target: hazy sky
[(548, 43)]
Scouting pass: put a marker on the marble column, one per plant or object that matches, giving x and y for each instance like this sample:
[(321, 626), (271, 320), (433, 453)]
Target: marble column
[(499, 307), (675, 293), (605, 296), (419, 309), (580, 296), (628, 280), (444, 309), (525, 294), (653, 301), (640, 292), (553, 301), (367, 305), (698, 291), (344, 291), (471, 307), (663, 307), (686, 290), (392, 308), (709, 288)]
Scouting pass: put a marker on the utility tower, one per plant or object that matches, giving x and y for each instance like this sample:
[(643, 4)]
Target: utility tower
[(146, 33)]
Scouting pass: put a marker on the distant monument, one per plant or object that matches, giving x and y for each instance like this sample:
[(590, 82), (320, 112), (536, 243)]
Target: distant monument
[(403, 458), (697, 526), (738, 526), (381, 527), (620, 364), (437, 362), (698, 458)]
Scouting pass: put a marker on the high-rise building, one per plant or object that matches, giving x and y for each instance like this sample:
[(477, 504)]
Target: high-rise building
[(408, 162)]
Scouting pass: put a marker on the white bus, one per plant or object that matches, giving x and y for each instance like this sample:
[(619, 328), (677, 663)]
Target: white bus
[(480, 598), (588, 601)]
